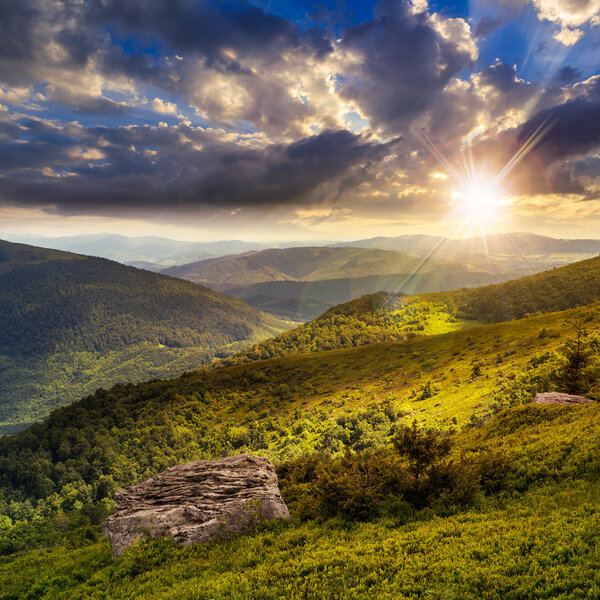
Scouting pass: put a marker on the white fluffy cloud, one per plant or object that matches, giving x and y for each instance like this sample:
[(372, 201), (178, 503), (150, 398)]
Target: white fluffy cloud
[(165, 108), (570, 15)]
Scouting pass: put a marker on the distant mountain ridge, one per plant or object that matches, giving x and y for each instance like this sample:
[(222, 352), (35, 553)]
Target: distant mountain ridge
[(301, 283), (293, 264), (159, 251), (496, 246), (310, 278), (72, 323)]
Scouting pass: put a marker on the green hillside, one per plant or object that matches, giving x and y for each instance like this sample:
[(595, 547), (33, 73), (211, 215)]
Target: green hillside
[(72, 324), (557, 289), (507, 495), (528, 527), (394, 317), (285, 408)]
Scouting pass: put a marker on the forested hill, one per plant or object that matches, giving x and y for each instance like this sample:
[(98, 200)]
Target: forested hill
[(379, 317), (383, 317), (70, 321), (561, 288), (293, 264)]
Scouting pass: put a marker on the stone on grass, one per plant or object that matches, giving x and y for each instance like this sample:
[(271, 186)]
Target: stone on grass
[(194, 502), (559, 398)]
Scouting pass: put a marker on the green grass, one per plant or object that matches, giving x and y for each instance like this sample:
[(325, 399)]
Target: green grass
[(543, 545), (541, 541)]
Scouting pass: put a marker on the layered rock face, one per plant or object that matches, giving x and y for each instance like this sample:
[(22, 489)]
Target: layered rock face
[(192, 503), (558, 398)]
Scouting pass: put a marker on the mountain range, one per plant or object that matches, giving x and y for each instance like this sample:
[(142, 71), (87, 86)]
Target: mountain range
[(149, 252), (157, 253), (300, 283), (495, 248)]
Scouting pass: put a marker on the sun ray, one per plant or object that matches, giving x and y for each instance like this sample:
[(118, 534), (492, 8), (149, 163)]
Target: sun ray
[(533, 140), (427, 258), (437, 152)]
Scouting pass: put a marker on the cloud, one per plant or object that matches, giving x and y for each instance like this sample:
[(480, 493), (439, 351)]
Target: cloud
[(154, 168), (165, 108), (569, 14), (486, 25), (401, 60), (573, 129), (223, 59), (568, 37), (276, 100)]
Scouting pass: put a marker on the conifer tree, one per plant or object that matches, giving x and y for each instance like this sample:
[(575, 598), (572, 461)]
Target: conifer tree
[(577, 355)]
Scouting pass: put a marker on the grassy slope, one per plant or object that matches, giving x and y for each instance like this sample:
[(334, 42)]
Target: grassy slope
[(286, 407), (541, 542), (391, 317), (72, 324)]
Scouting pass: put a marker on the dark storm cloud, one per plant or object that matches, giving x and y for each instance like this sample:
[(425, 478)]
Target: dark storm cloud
[(486, 25), (573, 129), (569, 132), (567, 74), (199, 28), (207, 28), (405, 63), (501, 76), (163, 168), (35, 34)]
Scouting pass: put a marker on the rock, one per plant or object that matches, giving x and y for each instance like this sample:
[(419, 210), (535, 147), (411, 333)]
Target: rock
[(192, 503), (558, 398)]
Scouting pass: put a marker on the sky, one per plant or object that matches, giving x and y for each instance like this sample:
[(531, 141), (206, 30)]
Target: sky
[(293, 119)]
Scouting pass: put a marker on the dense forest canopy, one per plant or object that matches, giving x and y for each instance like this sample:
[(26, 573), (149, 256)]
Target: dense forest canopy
[(69, 318)]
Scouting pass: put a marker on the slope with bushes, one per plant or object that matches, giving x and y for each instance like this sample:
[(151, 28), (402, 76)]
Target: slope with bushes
[(529, 530), (281, 408)]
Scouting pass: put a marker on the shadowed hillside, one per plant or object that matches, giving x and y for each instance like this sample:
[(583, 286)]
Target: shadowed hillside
[(302, 283), (72, 324)]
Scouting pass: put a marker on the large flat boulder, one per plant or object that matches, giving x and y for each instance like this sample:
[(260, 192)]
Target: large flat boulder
[(193, 502), (559, 398)]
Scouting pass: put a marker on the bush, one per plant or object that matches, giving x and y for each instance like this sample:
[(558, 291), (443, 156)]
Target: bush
[(417, 471)]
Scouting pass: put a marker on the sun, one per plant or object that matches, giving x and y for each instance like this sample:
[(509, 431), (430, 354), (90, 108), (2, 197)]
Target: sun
[(479, 199)]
